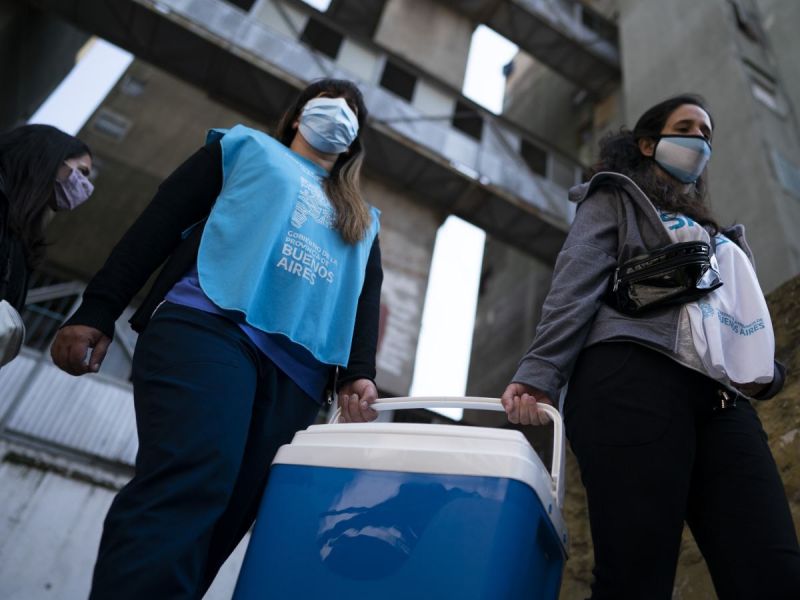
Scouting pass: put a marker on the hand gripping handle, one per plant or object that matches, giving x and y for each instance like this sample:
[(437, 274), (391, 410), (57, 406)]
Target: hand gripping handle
[(476, 403)]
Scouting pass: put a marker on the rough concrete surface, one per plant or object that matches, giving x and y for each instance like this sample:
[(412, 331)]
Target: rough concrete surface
[(781, 419)]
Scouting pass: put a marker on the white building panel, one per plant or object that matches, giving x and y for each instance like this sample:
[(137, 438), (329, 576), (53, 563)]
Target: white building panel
[(91, 414), (432, 101), (359, 60), (12, 379), (284, 19), (50, 528)]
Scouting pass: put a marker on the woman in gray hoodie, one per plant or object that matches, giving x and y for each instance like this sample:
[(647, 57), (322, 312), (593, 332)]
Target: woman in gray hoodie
[(658, 410)]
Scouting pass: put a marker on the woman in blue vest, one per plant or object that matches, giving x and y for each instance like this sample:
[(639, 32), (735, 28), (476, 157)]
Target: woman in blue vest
[(268, 300)]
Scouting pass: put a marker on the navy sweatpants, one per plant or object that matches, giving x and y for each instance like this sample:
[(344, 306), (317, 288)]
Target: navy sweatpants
[(653, 454), (211, 412)]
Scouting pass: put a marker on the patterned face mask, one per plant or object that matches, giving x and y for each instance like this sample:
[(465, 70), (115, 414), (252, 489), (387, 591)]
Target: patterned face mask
[(73, 191), (682, 156), (329, 124)]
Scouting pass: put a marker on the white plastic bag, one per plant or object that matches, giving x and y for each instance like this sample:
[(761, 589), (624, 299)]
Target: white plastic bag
[(12, 333), (731, 327)]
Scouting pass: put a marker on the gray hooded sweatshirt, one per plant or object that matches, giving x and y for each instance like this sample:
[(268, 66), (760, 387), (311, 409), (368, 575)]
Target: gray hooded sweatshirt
[(614, 222)]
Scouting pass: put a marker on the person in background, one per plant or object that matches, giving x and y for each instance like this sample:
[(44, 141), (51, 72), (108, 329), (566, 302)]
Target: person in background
[(659, 409), (268, 300), (42, 170)]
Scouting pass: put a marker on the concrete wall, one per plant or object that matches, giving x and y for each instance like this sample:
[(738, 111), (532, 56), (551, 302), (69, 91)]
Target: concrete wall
[(544, 103), (429, 35), (408, 233), (708, 54), (779, 19), (281, 17), (608, 8), (51, 518), (512, 289), (36, 52)]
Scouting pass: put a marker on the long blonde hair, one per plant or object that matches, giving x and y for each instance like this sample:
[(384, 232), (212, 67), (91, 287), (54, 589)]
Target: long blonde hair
[(343, 184)]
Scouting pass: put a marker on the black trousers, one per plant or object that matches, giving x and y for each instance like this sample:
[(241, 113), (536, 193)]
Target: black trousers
[(653, 454), (211, 412)]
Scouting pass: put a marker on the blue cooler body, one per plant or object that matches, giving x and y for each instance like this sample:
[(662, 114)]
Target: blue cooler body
[(400, 510)]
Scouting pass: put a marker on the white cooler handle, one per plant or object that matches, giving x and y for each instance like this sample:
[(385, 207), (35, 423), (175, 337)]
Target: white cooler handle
[(476, 403)]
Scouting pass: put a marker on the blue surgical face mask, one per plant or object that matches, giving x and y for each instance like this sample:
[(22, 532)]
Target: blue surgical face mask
[(682, 156), (328, 124)]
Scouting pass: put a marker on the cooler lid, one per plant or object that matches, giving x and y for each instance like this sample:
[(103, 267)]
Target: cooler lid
[(426, 448)]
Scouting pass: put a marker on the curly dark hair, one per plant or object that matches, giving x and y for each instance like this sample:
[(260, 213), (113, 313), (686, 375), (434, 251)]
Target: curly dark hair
[(29, 160), (620, 152)]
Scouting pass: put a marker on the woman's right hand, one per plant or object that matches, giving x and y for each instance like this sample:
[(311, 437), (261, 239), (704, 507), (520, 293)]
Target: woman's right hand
[(520, 400), (71, 345)]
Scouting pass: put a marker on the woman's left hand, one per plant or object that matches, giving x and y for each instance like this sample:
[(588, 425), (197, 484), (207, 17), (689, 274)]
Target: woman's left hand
[(520, 400), (355, 400)]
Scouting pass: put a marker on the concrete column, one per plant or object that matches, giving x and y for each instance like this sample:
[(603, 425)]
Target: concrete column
[(408, 233), (36, 52), (427, 34)]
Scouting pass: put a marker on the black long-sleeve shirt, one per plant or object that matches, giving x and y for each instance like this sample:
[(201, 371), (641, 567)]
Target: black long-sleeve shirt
[(182, 200)]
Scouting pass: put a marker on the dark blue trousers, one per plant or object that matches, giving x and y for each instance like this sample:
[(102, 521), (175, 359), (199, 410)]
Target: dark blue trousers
[(211, 412), (653, 454)]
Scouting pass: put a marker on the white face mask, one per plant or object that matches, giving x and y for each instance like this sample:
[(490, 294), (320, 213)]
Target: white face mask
[(682, 156), (328, 124)]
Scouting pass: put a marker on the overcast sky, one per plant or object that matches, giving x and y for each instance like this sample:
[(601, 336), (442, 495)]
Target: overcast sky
[(449, 313)]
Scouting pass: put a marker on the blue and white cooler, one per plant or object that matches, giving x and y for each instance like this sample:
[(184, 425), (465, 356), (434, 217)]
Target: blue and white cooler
[(403, 510)]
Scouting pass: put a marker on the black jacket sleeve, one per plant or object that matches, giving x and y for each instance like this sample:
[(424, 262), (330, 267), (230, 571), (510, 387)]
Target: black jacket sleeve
[(361, 364), (183, 199), (14, 273)]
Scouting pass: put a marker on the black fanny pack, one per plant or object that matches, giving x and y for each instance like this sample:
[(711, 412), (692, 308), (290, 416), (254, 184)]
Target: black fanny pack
[(674, 274)]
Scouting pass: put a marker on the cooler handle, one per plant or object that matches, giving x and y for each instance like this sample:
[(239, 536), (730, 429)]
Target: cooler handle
[(476, 403)]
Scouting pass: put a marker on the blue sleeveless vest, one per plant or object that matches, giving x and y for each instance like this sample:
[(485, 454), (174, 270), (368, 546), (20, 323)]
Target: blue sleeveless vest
[(270, 251)]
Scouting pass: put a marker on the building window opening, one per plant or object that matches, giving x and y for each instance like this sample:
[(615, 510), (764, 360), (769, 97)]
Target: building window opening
[(322, 38), (748, 23), (243, 4), (598, 24), (111, 124), (320, 5), (766, 96), (535, 157), (42, 318), (468, 120), (398, 80)]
